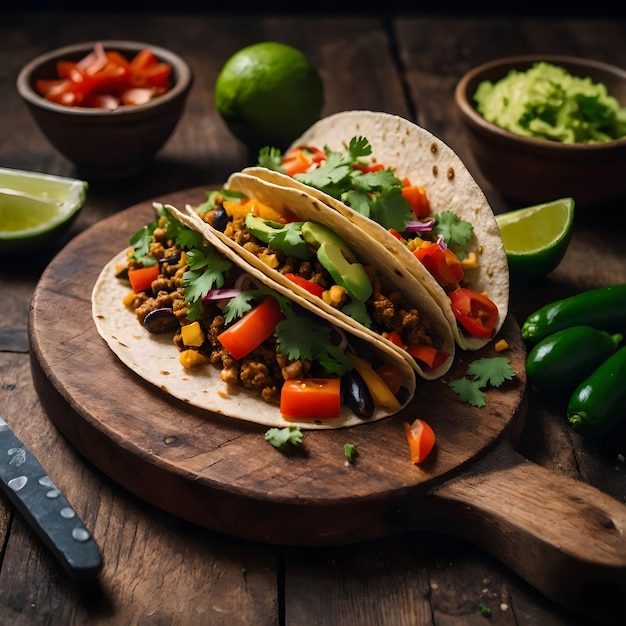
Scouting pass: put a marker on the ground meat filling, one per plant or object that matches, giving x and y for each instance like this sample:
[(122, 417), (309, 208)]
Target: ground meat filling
[(388, 311), (263, 370)]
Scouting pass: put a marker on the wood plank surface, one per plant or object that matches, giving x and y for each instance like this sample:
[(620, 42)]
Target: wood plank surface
[(405, 65)]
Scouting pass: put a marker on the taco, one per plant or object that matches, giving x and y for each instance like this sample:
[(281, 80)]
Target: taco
[(411, 193), (189, 316), (331, 266)]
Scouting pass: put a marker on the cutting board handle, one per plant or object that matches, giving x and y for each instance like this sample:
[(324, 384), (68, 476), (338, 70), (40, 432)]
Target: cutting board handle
[(561, 535)]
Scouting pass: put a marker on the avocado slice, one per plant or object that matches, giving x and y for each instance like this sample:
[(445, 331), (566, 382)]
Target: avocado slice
[(335, 255), (284, 237)]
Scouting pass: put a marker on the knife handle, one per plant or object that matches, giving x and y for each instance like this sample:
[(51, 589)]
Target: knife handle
[(46, 509)]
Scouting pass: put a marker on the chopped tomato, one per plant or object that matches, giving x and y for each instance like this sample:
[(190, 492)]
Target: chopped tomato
[(299, 160), (102, 76), (391, 376), (395, 233), (429, 356), (371, 167), (441, 262), (311, 398), (417, 198), (311, 287), (252, 329), (421, 438), (395, 339), (474, 311), (141, 279)]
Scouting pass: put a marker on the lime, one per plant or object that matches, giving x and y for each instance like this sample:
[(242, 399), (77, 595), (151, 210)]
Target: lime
[(268, 94), (535, 238), (35, 208)]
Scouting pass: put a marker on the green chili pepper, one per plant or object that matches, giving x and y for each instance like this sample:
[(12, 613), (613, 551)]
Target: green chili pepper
[(598, 404), (562, 360), (603, 308)]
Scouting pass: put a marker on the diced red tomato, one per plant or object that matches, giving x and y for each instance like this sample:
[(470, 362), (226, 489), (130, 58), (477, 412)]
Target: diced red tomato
[(371, 167), (311, 398), (428, 356), (395, 233), (102, 76), (442, 263), (311, 287), (474, 311), (250, 331), (417, 198), (141, 279), (299, 160), (395, 339), (421, 438)]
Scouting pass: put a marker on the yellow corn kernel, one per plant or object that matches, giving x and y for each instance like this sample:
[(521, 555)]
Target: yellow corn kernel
[(501, 345), (129, 298), (269, 259), (192, 335), (334, 296), (470, 262), (192, 358)]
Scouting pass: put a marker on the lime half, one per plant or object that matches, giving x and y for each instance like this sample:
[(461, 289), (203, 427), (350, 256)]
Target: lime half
[(36, 208), (536, 238)]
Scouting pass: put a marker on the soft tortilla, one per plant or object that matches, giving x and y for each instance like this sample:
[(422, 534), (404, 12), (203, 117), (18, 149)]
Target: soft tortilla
[(155, 359), (308, 208), (415, 153)]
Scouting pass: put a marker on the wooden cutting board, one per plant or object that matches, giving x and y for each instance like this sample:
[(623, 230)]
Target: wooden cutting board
[(555, 532)]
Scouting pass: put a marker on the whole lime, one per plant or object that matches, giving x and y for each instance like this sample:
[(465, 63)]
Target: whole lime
[(268, 94)]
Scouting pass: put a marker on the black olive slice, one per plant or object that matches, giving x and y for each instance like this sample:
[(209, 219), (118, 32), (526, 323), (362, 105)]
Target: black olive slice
[(160, 321)]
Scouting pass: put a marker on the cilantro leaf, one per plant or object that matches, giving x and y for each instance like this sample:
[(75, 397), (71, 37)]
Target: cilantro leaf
[(358, 200), (469, 391), (491, 371), (271, 158), (359, 147), (486, 371), (454, 230), (349, 451), (238, 306), (280, 438), (329, 176), (375, 181), (206, 270), (358, 311), (140, 241), (391, 209)]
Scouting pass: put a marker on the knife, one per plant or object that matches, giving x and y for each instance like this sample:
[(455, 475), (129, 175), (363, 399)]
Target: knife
[(45, 508)]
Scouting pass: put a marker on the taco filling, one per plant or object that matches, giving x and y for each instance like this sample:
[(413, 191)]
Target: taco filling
[(409, 191), (315, 258), (222, 317)]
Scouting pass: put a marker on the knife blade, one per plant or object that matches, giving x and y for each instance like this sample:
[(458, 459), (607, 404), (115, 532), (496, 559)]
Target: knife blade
[(46, 509)]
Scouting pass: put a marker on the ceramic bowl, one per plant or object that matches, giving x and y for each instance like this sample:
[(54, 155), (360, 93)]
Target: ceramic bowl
[(103, 143), (531, 170)]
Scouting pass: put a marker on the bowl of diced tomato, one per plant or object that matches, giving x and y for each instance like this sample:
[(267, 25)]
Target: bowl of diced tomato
[(107, 106)]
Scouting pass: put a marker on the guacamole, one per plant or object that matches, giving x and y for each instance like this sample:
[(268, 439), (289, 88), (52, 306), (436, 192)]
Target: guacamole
[(546, 101)]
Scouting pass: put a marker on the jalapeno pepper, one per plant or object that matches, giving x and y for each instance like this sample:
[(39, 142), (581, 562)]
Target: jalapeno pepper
[(598, 404), (559, 362), (603, 308)]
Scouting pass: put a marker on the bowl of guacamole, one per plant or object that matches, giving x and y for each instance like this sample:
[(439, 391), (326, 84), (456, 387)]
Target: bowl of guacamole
[(544, 127)]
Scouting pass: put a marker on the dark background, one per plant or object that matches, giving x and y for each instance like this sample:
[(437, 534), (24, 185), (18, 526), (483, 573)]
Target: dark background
[(550, 8)]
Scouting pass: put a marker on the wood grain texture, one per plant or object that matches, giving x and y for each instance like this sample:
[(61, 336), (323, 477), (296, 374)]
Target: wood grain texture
[(118, 419)]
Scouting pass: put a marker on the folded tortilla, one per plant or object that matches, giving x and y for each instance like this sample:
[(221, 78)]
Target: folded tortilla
[(307, 208), (155, 358), (415, 153)]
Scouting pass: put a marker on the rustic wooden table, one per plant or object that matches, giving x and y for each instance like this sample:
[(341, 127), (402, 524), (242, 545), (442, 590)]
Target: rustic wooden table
[(162, 570)]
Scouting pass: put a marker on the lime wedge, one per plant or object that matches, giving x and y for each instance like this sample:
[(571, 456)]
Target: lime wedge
[(536, 238), (36, 208)]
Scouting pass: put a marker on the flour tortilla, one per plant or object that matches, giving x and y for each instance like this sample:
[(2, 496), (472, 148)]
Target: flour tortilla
[(154, 358), (415, 153), (307, 208)]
